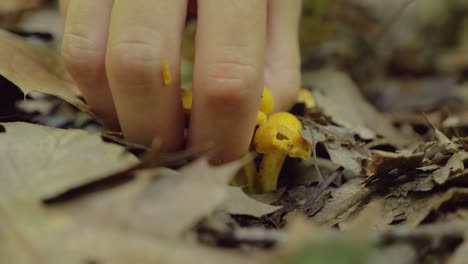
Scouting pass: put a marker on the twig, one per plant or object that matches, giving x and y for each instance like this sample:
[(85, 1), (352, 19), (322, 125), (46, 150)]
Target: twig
[(322, 188), (393, 19), (314, 155)]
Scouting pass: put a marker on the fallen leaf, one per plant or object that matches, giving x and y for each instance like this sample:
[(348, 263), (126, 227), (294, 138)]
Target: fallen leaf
[(160, 202), (450, 200), (340, 144), (33, 233), (339, 196), (454, 165), (339, 97), (41, 162), (12, 6), (461, 253), (238, 203), (34, 68), (383, 162), (377, 215)]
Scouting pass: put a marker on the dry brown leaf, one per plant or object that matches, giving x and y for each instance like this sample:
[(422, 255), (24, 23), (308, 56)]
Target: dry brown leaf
[(238, 203), (42, 162), (34, 68), (340, 99), (166, 203), (64, 239), (454, 165), (461, 253), (340, 145), (375, 216), (383, 162), (339, 196), (452, 198), (12, 6), (74, 231), (161, 202), (101, 245)]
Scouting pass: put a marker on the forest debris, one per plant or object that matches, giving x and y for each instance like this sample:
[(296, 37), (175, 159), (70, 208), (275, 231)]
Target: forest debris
[(453, 198), (461, 253), (454, 165), (323, 185), (383, 162), (160, 202), (432, 242), (238, 203), (122, 224), (106, 245), (344, 199), (376, 215), (340, 99), (340, 144), (44, 162)]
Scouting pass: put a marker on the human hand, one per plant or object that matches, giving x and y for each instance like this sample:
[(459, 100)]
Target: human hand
[(114, 50)]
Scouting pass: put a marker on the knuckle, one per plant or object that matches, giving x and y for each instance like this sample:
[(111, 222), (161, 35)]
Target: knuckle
[(232, 84), (134, 58), (80, 53), (287, 87)]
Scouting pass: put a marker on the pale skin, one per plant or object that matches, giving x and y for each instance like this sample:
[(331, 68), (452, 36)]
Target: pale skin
[(114, 50)]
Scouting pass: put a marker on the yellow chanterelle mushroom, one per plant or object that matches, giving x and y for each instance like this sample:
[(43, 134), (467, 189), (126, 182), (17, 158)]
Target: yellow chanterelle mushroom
[(278, 138), (266, 106), (306, 97)]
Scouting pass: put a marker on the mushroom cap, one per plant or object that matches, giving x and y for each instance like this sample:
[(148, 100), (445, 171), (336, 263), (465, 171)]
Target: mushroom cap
[(261, 118), (187, 100), (282, 133), (306, 97), (267, 103)]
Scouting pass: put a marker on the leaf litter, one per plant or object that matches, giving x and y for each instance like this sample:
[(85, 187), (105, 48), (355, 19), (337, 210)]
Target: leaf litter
[(402, 188)]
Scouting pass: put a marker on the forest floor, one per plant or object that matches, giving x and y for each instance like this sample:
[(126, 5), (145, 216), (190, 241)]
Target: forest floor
[(387, 181)]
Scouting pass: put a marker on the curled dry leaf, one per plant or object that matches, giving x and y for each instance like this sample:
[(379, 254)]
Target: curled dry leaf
[(34, 68), (340, 144), (454, 165), (383, 162)]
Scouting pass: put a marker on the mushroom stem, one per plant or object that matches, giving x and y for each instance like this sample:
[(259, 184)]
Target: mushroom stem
[(269, 171), (250, 171)]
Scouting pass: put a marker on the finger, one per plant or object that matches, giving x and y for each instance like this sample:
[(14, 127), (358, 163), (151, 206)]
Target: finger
[(83, 52), (143, 34), (63, 4), (282, 63), (228, 75)]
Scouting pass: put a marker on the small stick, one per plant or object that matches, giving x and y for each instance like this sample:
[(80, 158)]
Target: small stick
[(314, 155), (322, 188)]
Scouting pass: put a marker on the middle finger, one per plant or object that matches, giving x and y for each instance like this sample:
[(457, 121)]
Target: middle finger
[(143, 34)]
